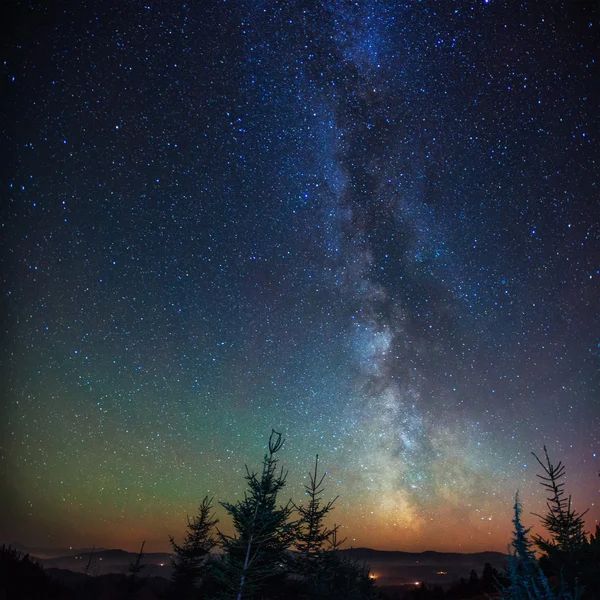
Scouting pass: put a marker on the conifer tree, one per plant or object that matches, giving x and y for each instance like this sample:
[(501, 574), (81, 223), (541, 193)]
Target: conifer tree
[(490, 578), (590, 566), (23, 577), (568, 552), (335, 577), (565, 525), (91, 563), (526, 579), (190, 563), (137, 566), (133, 583), (256, 554), (325, 573), (313, 535)]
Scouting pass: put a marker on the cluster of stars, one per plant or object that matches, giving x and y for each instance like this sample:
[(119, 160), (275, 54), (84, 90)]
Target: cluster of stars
[(372, 226)]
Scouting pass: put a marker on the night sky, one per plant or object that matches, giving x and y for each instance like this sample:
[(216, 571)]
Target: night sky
[(373, 226)]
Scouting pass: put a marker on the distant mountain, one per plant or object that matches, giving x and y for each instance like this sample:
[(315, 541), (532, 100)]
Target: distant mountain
[(429, 557), (110, 561), (106, 574), (45, 552), (439, 568), (115, 555), (388, 566)]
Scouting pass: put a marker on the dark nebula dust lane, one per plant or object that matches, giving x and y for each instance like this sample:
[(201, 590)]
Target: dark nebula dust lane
[(372, 226)]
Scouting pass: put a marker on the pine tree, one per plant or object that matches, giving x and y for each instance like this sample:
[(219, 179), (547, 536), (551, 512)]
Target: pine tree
[(490, 578), (527, 581), (590, 566), (473, 584), (565, 525), (91, 564), (137, 566), (190, 563), (335, 577), (313, 534), (133, 583), (23, 577), (256, 555), (324, 572), (568, 551)]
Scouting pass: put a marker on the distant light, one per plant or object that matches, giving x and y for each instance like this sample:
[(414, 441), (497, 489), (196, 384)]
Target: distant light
[(417, 582)]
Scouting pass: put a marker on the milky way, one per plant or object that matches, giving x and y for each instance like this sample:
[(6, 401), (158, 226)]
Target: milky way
[(371, 226)]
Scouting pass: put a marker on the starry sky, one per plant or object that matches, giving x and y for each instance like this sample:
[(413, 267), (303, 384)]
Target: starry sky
[(370, 225)]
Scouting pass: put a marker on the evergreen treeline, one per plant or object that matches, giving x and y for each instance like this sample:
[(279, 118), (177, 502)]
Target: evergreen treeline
[(569, 565), (277, 550), (289, 551), (25, 579), (484, 585)]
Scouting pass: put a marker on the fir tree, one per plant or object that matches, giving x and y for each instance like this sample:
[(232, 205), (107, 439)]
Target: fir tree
[(568, 553), (133, 583), (22, 577), (565, 525), (313, 535), (91, 563), (526, 579), (255, 557), (335, 577), (590, 566), (490, 578), (325, 573), (190, 563)]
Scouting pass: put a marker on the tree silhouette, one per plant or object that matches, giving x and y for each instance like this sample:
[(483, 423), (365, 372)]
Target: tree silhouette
[(91, 563), (133, 582), (527, 581), (313, 535), (23, 578), (490, 579), (565, 525), (335, 577), (255, 557), (190, 564), (570, 554)]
